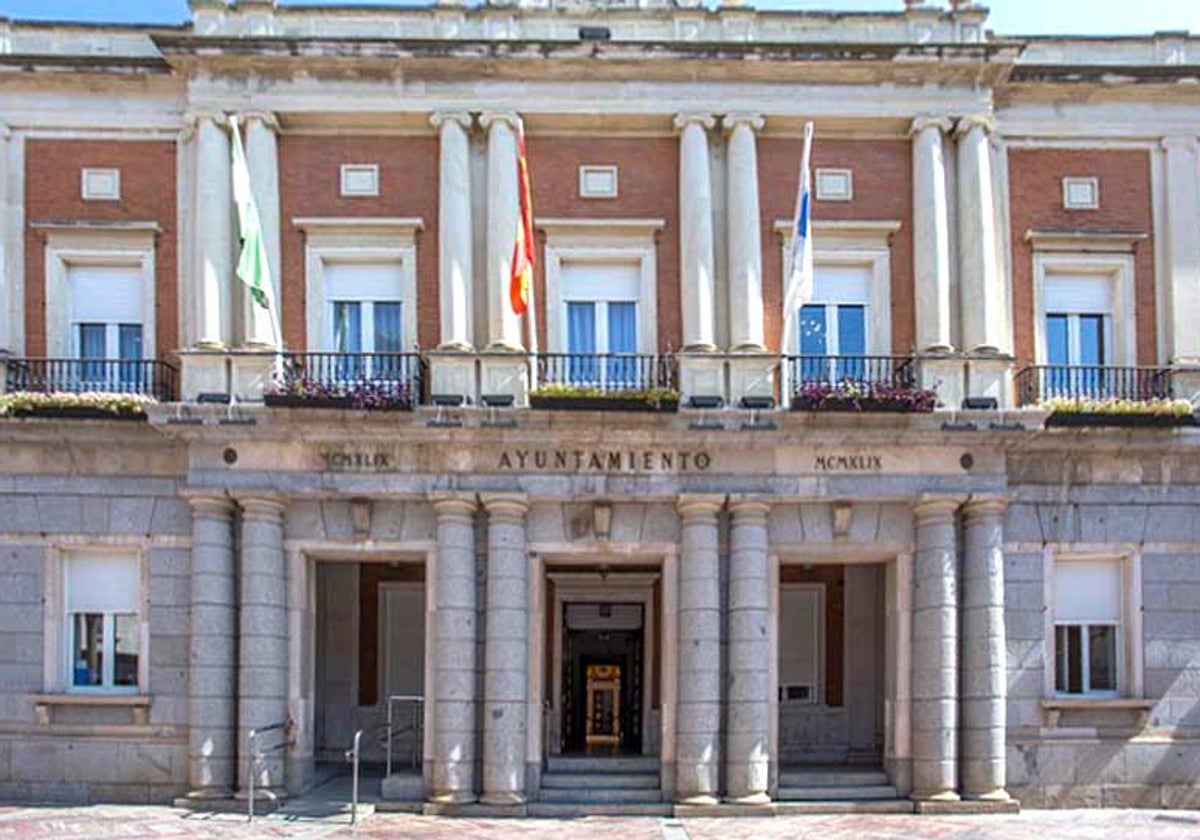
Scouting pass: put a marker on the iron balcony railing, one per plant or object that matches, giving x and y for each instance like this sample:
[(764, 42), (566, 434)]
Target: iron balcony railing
[(611, 372), (148, 377), (873, 371), (400, 376), (1038, 383)]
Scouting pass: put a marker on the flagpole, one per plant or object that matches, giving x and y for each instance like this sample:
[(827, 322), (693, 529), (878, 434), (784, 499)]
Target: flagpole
[(798, 276)]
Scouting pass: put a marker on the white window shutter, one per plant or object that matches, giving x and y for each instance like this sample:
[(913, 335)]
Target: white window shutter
[(107, 294), (102, 583), (1087, 591)]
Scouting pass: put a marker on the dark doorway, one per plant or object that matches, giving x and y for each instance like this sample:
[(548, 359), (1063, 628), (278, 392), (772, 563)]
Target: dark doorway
[(602, 678)]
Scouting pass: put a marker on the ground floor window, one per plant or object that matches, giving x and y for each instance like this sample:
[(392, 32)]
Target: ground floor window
[(103, 627), (1088, 610)]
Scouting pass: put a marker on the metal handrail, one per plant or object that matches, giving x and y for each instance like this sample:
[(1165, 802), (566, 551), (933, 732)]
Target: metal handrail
[(418, 724), (353, 755), (1041, 382), (254, 755), (155, 378), (610, 372)]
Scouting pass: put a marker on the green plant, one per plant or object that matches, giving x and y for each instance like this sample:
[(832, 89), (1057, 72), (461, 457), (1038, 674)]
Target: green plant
[(651, 396), (21, 402), (1114, 406)]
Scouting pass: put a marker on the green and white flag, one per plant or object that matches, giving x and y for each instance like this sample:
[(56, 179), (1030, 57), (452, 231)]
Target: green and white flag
[(253, 267)]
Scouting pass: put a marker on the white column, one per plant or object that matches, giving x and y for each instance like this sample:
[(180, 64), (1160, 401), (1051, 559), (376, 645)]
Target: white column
[(982, 308), (698, 692), (262, 639), (696, 270), (213, 650), (6, 308), (931, 233), (748, 719), (213, 233), (984, 677), (503, 216), (506, 651), (455, 258), (1183, 249), (744, 234), (453, 695), (262, 158), (935, 651)]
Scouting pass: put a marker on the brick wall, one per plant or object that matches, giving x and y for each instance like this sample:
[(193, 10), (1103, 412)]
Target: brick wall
[(648, 188), (309, 185), (52, 193), (1035, 184), (882, 192)]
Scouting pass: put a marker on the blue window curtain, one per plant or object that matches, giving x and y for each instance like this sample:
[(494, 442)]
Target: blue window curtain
[(581, 343), (1058, 353), (622, 338), (347, 337), (129, 349), (388, 339), (852, 341), (92, 346), (1091, 353), (812, 343)]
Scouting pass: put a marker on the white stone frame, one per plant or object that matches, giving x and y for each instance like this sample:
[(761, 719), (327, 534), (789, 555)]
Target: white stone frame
[(864, 244), (1063, 256), (821, 177), (361, 240), (128, 245), (347, 171), (1130, 637), (1093, 183), (588, 169), (91, 179), (602, 240), (56, 636)]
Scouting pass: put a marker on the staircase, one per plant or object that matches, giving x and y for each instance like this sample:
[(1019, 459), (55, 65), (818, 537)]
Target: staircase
[(836, 789), (575, 786)]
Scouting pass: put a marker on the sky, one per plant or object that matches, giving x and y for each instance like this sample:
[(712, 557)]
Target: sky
[(1009, 17)]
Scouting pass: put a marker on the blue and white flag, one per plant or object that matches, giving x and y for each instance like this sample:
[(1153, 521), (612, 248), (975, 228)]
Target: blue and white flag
[(799, 286)]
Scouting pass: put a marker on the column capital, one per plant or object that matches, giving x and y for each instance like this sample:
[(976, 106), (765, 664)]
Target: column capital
[(5, 131), (452, 504), (935, 508), (462, 118), (942, 123), (700, 506), (505, 506), (985, 506), (1179, 142), (509, 118), (207, 502), (749, 508), (263, 506), (750, 119), (216, 116), (267, 118), (702, 118), (972, 121)]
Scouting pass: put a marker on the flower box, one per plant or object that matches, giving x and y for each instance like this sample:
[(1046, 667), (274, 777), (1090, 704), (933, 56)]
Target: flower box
[(68, 405), (78, 412), (337, 402), (863, 398), (863, 405), (1128, 420), (565, 402)]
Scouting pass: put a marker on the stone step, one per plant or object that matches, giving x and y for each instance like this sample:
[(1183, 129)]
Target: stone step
[(590, 781), (832, 777), (602, 764), (870, 806), (599, 795), (574, 810), (835, 794)]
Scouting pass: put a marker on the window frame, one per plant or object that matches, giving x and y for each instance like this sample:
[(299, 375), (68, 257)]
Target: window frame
[(1121, 324), (1130, 665)]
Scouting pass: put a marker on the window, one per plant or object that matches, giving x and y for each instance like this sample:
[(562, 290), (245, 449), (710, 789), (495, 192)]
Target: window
[(106, 325), (801, 642), (1078, 331), (1081, 193), (834, 324), (600, 313), (1087, 626), (103, 622), (366, 320)]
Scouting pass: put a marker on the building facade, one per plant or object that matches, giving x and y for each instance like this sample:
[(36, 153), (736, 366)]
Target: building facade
[(930, 542)]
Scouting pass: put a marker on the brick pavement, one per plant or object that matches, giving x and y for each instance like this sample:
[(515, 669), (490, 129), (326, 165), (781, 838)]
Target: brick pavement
[(111, 822)]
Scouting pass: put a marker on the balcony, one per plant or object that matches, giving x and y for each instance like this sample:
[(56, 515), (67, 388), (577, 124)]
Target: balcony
[(369, 381), (87, 388), (856, 383), (1097, 395), (606, 382)]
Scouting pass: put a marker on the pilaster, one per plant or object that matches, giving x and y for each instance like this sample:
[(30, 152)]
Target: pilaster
[(931, 234), (744, 227), (503, 216), (262, 159), (455, 257), (1183, 249), (697, 270), (212, 233), (982, 305)]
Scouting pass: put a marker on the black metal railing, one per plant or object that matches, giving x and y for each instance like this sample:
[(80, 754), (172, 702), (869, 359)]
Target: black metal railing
[(611, 372), (148, 377), (400, 375), (874, 371), (1038, 383)]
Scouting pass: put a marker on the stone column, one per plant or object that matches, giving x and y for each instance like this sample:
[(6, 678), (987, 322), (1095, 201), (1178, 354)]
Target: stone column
[(744, 234), (748, 719), (982, 307), (263, 638), (455, 267), (262, 158), (984, 680), (1183, 249), (503, 216), (453, 701), (935, 651), (697, 274), (698, 705), (931, 234), (212, 654), (212, 232), (506, 650)]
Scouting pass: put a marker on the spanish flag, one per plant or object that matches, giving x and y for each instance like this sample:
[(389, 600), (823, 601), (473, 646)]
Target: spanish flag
[(520, 287)]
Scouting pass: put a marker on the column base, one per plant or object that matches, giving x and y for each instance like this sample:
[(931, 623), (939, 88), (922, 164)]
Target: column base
[(750, 799), (452, 371), (990, 375), (503, 798), (699, 799), (1186, 380), (251, 372), (997, 795), (751, 374), (701, 375), (939, 796), (203, 370), (454, 797), (945, 374), (209, 794), (504, 373)]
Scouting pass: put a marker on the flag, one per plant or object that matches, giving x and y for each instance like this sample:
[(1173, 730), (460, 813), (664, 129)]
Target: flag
[(253, 268), (520, 287), (799, 286)]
